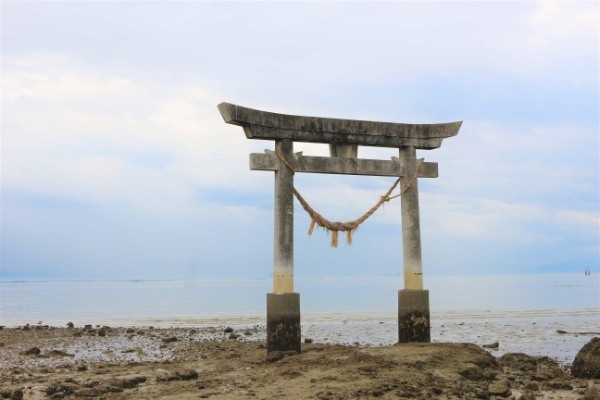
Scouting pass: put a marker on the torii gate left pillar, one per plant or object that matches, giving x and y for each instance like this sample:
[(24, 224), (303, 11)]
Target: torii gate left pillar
[(283, 305), (343, 136)]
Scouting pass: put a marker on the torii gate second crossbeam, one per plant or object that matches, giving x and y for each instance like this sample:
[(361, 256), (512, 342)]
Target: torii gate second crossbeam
[(344, 137)]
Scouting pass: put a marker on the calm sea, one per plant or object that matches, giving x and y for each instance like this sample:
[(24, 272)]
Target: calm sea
[(175, 302)]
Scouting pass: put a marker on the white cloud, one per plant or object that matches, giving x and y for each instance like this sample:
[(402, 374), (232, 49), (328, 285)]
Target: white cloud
[(565, 23), (72, 131), (407, 41)]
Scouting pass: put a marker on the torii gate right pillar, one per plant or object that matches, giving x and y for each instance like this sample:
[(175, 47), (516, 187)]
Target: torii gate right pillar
[(413, 301)]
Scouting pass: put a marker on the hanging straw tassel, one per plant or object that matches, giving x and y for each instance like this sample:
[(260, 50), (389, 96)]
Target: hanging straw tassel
[(349, 237), (312, 226), (334, 238)]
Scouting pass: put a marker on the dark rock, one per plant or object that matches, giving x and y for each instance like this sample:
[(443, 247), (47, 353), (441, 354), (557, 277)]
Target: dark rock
[(102, 332), (5, 393), (471, 372), (82, 367), (273, 356), (169, 339), (560, 385), (88, 327), (528, 395), (480, 394), (532, 386), (65, 388), (494, 345), (519, 361), (308, 340), (130, 330), (591, 393), (566, 386), (126, 382), (26, 327), (180, 375), (60, 353), (34, 351), (497, 389), (587, 361), (548, 369), (228, 330), (89, 392), (70, 325), (233, 336), (16, 394)]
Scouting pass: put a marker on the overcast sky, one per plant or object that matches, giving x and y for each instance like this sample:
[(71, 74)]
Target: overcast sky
[(117, 165)]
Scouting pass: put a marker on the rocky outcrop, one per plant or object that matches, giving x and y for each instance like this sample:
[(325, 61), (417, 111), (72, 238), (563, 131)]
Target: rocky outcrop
[(587, 361)]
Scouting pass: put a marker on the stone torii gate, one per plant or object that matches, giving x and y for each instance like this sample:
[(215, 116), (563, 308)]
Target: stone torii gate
[(343, 136)]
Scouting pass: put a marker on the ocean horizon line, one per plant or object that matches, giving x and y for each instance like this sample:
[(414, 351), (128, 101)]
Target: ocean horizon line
[(266, 278)]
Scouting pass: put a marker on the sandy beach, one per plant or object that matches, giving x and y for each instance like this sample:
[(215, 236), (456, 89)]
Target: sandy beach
[(221, 362)]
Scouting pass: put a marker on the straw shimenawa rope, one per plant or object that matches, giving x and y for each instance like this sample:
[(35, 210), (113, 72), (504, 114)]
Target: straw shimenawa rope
[(351, 226)]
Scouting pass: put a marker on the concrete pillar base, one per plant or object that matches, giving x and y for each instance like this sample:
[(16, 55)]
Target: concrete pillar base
[(413, 316), (283, 322)]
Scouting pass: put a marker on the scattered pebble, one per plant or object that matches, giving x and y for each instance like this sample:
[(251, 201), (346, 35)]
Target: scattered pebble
[(34, 351), (494, 346)]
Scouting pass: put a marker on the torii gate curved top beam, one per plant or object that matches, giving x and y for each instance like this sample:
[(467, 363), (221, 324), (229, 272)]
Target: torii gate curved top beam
[(266, 125)]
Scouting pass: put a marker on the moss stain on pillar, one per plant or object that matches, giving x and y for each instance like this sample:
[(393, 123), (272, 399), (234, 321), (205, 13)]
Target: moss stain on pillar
[(414, 323), (283, 322)]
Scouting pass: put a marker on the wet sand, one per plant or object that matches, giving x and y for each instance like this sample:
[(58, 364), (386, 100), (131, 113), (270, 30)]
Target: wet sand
[(145, 362), (553, 333)]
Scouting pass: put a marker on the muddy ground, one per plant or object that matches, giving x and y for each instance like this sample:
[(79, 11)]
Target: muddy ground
[(43, 362)]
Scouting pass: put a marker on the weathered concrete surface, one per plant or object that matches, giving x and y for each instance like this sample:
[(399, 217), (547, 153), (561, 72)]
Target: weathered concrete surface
[(411, 226), (347, 166), (259, 124), (283, 322), (414, 323), (283, 260), (343, 150)]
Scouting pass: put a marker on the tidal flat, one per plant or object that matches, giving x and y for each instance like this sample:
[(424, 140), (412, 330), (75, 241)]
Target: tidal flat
[(230, 362)]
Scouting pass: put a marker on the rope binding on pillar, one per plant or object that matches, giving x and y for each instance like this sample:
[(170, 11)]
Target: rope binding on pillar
[(351, 226)]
